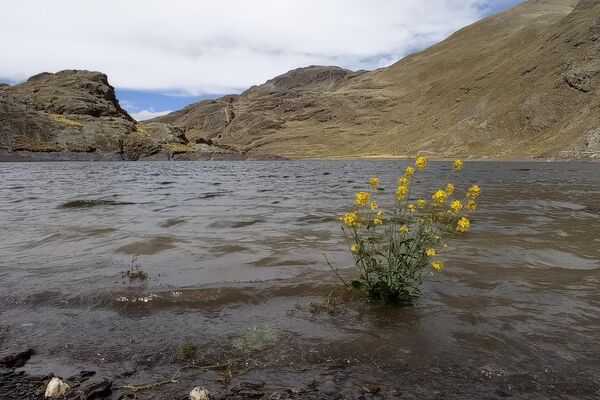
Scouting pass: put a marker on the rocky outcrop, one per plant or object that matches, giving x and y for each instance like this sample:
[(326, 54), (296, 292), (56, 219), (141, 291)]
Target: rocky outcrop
[(70, 92), (72, 113), (523, 83)]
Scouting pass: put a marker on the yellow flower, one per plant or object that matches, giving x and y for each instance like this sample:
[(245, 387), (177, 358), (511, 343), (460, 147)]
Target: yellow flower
[(445, 245), (403, 181), (456, 206), (401, 192), (463, 224), (474, 192), (412, 208), (449, 189), (378, 221), (373, 206), (374, 182), (404, 229), (421, 203), (351, 219), (430, 252), (354, 248), (472, 206), (439, 197), (380, 214), (421, 163), (458, 165), (437, 265), (362, 198), (410, 171)]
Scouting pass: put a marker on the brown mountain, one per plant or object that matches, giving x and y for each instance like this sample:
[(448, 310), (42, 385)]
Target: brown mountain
[(523, 83), (76, 115)]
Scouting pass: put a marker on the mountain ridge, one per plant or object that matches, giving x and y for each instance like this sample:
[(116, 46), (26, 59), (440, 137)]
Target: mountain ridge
[(512, 85)]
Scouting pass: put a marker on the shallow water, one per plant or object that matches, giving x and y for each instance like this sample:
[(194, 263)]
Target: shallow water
[(234, 245)]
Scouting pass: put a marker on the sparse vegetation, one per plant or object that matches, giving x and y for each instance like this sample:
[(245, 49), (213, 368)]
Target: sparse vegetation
[(178, 148), (61, 119), (187, 351), (138, 144), (135, 271), (257, 339), (24, 143), (334, 304), (79, 148)]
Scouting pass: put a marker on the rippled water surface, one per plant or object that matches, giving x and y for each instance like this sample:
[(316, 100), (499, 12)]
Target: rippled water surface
[(233, 245)]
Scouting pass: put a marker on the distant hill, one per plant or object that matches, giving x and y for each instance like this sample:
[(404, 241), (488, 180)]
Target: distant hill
[(523, 83)]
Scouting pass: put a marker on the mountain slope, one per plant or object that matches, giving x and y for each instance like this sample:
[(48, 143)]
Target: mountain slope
[(523, 83)]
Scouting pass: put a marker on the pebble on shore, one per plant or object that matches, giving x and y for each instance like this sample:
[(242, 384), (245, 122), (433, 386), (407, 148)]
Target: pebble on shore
[(199, 393), (56, 388)]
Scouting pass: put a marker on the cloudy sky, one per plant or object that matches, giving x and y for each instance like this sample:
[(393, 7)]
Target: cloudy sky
[(162, 55)]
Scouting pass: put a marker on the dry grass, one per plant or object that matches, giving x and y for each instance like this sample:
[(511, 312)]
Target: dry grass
[(23, 143), (61, 119), (178, 148), (141, 128)]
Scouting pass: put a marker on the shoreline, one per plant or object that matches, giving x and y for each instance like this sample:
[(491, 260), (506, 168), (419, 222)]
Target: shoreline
[(67, 156)]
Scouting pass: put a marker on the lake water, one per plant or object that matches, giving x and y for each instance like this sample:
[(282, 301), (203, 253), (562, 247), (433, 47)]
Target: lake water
[(232, 246)]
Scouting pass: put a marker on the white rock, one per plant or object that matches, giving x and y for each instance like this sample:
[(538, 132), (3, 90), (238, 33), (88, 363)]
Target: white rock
[(56, 388), (199, 393)]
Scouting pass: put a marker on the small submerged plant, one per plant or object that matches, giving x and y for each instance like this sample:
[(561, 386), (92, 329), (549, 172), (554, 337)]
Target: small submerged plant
[(187, 351), (135, 271), (395, 249), (257, 339)]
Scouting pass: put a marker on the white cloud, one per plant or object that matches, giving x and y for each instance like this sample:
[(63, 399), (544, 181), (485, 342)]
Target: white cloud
[(147, 114), (215, 46)]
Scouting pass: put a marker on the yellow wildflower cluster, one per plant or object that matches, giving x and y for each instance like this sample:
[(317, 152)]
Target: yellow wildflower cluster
[(463, 224), (456, 206), (458, 165), (363, 198), (401, 192), (437, 265), (439, 197), (393, 254), (474, 192), (472, 206), (351, 219)]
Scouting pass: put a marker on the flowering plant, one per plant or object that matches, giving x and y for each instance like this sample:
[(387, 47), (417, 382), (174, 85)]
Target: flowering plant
[(395, 249)]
